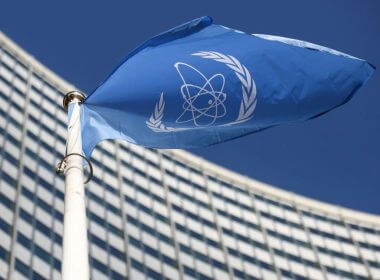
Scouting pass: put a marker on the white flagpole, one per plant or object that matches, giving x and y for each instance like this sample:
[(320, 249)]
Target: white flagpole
[(75, 264)]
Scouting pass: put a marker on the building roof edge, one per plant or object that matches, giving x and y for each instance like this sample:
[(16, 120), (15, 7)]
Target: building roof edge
[(32, 62)]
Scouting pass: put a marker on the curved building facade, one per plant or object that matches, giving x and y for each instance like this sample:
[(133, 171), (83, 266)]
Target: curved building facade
[(156, 214)]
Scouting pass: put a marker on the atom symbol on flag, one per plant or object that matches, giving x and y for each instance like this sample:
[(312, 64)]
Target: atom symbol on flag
[(203, 104)]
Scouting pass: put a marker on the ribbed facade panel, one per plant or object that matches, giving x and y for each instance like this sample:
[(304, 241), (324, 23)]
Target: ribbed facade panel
[(156, 214)]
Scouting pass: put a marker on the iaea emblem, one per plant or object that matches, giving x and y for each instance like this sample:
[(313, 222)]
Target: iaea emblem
[(203, 104)]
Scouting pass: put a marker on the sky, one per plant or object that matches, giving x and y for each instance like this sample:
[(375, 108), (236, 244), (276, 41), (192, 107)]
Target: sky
[(334, 158)]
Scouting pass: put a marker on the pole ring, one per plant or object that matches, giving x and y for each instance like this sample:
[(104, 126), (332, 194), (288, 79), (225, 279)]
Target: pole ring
[(62, 165), (70, 96)]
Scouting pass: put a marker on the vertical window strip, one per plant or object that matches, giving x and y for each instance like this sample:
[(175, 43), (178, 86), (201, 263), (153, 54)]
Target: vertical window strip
[(19, 167)]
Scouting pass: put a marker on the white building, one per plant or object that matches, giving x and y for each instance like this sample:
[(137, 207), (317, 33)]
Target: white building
[(156, 214)]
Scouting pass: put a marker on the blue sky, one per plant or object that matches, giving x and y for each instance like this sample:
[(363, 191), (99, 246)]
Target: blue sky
[(335, 158)]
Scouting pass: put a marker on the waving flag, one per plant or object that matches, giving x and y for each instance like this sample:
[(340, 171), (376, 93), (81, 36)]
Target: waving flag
[(201, 83)]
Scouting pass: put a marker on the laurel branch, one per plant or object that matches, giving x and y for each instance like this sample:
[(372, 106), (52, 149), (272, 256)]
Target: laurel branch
[(247, 105), (155, 122), (249, 101)]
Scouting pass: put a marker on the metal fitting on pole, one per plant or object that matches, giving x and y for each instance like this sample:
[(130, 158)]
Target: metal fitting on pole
[(71, 96)]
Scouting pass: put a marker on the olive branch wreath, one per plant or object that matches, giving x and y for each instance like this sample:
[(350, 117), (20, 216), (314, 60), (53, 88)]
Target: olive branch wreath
[(247, 105)]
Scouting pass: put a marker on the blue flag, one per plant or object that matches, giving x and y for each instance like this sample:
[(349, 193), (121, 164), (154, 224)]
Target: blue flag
[(201, 83)]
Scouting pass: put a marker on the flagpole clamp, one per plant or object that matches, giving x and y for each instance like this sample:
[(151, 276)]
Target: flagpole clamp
[(70, 96), (60, 168)]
